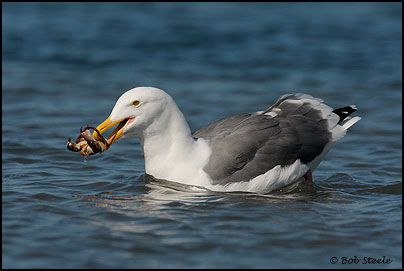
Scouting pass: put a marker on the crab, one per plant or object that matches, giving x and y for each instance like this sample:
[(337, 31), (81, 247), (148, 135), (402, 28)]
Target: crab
[(87, 144)]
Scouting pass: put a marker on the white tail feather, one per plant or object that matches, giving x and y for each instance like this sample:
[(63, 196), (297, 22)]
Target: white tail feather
[(350, 122), (337, 133)]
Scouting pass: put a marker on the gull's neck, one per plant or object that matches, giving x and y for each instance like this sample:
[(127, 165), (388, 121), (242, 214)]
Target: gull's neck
[(169, 149)]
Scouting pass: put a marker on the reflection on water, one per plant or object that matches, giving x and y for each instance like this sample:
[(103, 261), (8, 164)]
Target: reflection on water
[(186, 218), (159, 195)]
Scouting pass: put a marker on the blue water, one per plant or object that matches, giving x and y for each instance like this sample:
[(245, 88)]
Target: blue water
[(64, 66)]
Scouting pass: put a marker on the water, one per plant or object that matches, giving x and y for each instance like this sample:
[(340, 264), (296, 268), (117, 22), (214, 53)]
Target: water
[(65, 64)]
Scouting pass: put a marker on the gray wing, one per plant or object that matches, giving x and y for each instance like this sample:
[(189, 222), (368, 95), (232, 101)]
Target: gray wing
[(247, 145)]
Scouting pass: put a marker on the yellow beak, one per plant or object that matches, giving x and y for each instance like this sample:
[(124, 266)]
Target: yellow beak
[(117, 133)]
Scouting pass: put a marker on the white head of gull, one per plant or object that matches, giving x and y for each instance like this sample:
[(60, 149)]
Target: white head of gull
[(256, 152)]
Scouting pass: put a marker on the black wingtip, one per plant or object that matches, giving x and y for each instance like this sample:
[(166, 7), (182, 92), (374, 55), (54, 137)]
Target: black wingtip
[(344, 112)]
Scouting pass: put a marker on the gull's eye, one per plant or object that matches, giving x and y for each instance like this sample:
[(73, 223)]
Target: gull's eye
[(136, 102)]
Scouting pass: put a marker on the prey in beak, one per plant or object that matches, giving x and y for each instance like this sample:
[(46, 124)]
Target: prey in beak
[(117, 133), (89, 144)]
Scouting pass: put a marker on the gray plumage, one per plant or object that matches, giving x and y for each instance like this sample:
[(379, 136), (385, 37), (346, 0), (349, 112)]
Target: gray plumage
[(247, 145)]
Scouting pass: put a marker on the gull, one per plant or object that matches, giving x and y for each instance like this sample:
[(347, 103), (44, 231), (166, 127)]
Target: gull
[(250, 152)]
